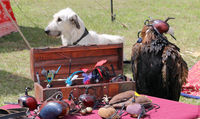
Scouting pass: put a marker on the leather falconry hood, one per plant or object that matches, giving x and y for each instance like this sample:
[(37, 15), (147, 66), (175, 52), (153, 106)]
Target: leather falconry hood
[(160, 26)]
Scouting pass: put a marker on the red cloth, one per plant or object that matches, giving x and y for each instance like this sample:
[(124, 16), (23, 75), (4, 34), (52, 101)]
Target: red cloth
[(168, 110), (192, 86), (6, 25)]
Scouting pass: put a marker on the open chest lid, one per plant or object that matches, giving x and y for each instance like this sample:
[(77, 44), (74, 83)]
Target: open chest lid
[(80, 56)]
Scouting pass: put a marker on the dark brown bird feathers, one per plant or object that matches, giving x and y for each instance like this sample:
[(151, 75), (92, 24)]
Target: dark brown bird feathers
[(157, 66)]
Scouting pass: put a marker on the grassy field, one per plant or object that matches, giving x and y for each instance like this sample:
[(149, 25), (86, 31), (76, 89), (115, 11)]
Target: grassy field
[(34, 15)]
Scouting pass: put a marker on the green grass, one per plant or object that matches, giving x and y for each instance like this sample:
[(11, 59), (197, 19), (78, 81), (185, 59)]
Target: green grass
[(14, 56)]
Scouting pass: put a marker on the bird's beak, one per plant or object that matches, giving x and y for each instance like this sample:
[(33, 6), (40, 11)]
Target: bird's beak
[(171, 32)]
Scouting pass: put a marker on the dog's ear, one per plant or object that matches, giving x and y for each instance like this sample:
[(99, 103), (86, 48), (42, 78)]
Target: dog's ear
[(74, 20)]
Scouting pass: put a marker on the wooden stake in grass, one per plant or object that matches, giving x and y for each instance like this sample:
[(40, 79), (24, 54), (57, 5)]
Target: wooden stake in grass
[(17, 27)]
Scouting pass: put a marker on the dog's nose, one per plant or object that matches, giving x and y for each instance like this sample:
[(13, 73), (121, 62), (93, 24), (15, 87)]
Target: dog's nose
[(47, 31)]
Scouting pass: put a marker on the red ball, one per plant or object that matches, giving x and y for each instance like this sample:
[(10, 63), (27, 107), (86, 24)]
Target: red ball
[(87, 100), (28, 101), (31, 103)]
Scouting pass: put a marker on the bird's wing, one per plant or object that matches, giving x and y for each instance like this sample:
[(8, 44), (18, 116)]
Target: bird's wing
[(134, 59), (174, 71)]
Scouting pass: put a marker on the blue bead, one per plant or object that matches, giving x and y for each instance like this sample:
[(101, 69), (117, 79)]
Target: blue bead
[(139, 40)]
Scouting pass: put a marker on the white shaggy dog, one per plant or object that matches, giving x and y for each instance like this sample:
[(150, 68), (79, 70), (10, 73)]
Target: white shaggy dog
[(67, 24)]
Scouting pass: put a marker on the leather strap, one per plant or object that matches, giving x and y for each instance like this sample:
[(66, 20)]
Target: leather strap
[(84, 34)]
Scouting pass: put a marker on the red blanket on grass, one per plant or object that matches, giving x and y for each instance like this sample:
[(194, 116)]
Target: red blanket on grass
[(168, 110), (6, 25), (192, 86)]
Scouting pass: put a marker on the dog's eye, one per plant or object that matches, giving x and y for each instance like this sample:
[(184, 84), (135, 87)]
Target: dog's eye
[(59, 19)]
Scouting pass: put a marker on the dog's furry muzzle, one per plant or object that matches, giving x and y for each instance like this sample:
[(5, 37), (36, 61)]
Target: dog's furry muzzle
[(53, 33)]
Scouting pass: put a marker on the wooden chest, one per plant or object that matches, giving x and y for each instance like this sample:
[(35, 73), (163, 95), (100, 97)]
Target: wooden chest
[(81, 57)]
